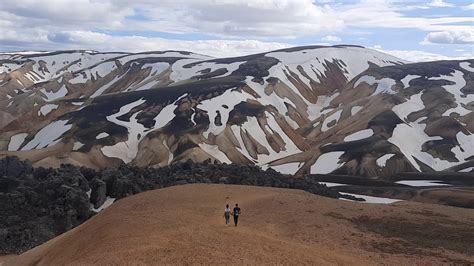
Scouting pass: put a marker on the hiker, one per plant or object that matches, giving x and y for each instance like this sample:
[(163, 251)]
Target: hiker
[(236, 213), (227, 212)]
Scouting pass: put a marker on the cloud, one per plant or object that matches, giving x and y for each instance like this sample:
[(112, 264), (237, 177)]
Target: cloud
[(103, 42), (440, 3), (331, 38), (385, 14), (236, 27), (468, 7), (68, 13), (237, 19), (241, 19), (249, 18), (450, 37), (422, 56)]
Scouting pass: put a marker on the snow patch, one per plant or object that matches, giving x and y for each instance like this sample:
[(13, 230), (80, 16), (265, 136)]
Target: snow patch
[(127, 150), (467, 66), (77, 145), (230, 98), (102, 89), (273, 99), (334, 116), (382, 161), (371, 199), (363, 134), (314, 110), (330, 184), (327, 162), (252, 128), (51, 96), (107, 203), (47, 108), (9, 67), (102, 135), (181, 73), (465, 148), (287, 168), (213, 150), (422, 183), (170, 154), (455, 89), (48, 136), (354, 60), (16, 141), (406, 80), (413, 104), (384, 85), (412, 146), (165, 116), (356, 109)]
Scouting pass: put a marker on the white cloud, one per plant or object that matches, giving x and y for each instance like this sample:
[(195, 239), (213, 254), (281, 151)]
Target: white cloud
[(450, 37), (240, 27), (250, 18), (440, 3), (66, 13), (468, 7), (422, 56), (384, 14), (104, 42), (331, 38), (241, 19)]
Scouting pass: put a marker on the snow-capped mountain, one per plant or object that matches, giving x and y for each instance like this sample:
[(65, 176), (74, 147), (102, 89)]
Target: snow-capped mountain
[(314, 109)]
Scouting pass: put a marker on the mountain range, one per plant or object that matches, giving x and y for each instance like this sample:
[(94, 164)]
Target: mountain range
[(343, 109)]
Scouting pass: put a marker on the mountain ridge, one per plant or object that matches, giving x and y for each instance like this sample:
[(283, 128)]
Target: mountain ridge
[(274, 110)]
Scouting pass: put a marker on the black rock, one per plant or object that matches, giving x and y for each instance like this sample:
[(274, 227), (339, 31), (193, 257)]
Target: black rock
[(224, 180), (98, 193)]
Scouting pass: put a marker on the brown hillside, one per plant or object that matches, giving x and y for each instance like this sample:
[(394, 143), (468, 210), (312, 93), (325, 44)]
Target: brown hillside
[(184, 224)]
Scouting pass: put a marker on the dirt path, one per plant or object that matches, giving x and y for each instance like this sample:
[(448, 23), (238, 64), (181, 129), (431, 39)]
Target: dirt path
[(185, 224), (5, 258)]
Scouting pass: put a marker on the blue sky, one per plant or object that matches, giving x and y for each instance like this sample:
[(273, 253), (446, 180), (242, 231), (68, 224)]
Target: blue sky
[(413, 30)]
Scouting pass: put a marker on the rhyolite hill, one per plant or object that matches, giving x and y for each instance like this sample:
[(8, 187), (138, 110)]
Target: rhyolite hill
[(306, 110)]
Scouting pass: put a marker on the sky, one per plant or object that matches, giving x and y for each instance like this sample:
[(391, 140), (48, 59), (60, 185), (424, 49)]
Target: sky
[(412, 30)]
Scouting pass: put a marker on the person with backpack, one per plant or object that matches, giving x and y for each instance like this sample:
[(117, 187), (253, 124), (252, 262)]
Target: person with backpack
[(236, 213), (227, 212)]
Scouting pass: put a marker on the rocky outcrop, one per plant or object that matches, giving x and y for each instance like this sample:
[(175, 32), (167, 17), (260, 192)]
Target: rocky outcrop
[(37, 204), (98, 192)]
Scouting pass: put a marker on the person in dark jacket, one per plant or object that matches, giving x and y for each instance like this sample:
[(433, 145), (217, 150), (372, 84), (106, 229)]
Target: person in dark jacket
[(236, 214)]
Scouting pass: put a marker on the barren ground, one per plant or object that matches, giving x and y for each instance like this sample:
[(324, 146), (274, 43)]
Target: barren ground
[(185, 224)]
